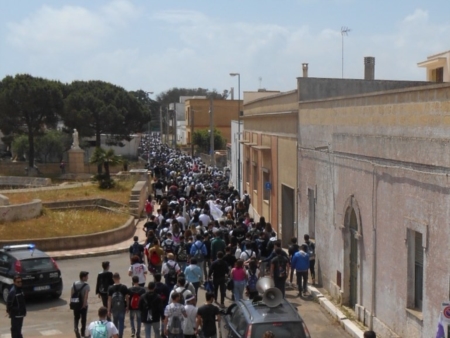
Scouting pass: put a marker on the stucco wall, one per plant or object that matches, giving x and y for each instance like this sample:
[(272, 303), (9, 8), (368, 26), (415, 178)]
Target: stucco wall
[(388, 153)]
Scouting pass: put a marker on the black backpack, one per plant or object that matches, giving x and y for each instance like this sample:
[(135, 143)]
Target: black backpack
[(280, 269), (172, 274), (76, 300)]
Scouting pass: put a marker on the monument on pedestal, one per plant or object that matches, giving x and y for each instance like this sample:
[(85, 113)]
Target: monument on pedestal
[(76, 156)]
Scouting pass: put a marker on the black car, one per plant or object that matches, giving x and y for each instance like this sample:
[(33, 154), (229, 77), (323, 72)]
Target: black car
[(251, 319), (40, 273)]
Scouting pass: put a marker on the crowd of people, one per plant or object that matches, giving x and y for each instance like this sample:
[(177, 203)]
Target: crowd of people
[(199, 234)]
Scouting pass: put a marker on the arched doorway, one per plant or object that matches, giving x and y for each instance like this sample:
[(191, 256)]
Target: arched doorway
[(353, 227), (351, 236)]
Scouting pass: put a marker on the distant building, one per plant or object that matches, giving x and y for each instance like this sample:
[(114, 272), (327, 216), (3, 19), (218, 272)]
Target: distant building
[(197, 116), (437, 67)]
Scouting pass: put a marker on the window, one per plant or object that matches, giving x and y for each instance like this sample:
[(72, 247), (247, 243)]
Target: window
[(255, 176), (238, 322), (437, 74), (415, 269), (266, 179)]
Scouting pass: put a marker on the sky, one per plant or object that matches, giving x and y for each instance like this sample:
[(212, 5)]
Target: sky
[(157, 45)]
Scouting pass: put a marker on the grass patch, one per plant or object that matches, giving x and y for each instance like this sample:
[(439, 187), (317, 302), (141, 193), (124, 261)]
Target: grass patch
[(120, 193), (62, 223)]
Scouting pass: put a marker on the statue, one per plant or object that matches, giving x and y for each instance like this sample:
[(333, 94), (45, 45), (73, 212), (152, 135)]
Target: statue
[(76, 142)]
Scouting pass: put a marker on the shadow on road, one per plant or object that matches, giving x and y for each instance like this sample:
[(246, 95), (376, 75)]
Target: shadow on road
[(38, 303)]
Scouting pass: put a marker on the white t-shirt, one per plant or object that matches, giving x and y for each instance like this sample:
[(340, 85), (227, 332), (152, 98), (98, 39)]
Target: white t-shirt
[(139, 269), (246, 254), (110, 327), (189, 321), (205, 219)]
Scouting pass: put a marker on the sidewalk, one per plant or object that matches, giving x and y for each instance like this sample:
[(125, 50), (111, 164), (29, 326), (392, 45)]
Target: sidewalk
[(102, 250)]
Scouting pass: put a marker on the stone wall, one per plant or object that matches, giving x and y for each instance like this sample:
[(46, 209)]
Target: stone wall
[(82, 241), (138, 197), (13, 181), (14, 212)]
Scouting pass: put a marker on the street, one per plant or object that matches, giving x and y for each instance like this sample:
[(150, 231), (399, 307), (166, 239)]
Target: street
[(53, 318)]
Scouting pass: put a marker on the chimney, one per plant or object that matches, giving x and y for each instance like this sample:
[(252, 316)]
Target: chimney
[(305, 69), (369, 68), (232, 93)]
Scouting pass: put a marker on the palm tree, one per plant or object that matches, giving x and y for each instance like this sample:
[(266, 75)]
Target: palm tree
[(106, 159)]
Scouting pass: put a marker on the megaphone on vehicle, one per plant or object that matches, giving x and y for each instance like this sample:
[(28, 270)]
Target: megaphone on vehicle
[(272, 296)]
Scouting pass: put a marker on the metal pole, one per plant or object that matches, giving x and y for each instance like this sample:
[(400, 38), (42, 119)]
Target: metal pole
[(211, 129), (239, 133), (192, 131), (160, 124)]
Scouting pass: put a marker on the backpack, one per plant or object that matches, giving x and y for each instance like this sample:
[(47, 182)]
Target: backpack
[(155, 260), (176, 239), (136, 250), (280, 267), (76, 302), (172, 274), (134, 301), (199, 256), (182, 253), (252, 280), (293, 248), (182, 295), (103, 288), (148, 207), (117, 301), (174, 326), (100, 330), (168, 247)]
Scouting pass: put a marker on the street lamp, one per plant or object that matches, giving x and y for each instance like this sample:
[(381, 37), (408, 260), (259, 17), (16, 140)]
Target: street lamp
[(239, 130), (149, 128)]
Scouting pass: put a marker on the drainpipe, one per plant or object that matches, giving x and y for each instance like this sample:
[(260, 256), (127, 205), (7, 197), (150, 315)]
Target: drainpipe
[(374, 245)]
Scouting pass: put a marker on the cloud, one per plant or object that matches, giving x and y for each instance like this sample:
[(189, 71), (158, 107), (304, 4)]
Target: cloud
[(69, 28)]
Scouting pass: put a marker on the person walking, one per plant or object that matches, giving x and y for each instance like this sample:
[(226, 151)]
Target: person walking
[(152, 308), (102, 327), (239, 277), (206, 317), (154, 254), (219, 272), (136, 249), (312, 257), (104, 281), (118, 303), (174, 315), (217, 244), (193, 274), (170, 271), (293, 249), (184, 288), (199, 252), (16, 308), (138, 269), (181, 253), (190, 322), (279, 270), (82, 288), (300, 263), (135, 293)]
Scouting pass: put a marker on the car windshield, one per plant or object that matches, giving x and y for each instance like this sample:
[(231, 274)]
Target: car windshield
[(280, 330), (37, 264)]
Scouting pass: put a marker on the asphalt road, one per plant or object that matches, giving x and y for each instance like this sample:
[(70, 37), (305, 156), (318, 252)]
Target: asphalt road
[(54, 319)]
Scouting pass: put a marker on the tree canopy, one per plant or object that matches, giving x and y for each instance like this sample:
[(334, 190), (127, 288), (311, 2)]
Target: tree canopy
[(29, 105), (97, 107), (151, 107), (173, 95), (201, 139)]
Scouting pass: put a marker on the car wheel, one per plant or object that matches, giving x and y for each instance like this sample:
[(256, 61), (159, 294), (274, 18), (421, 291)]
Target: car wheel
[(5, 293), (56, 295)]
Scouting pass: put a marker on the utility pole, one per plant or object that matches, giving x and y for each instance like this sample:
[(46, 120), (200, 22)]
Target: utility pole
[(174, 126), (160, 124), (192, 130), (211, 130)]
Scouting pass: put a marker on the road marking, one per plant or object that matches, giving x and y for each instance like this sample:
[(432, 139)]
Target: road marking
[(50, 332)]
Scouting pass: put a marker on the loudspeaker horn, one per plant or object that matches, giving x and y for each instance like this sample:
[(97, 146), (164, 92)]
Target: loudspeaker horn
[(272, 296)]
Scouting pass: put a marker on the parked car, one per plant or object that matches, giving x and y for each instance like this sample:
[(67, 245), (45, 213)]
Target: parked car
[(251, 319), (40, 273)]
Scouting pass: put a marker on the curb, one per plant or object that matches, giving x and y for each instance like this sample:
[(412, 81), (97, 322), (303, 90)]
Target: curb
[(345, 322)]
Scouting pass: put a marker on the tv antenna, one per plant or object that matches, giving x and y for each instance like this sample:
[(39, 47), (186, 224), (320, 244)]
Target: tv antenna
[(260, 82), (344, 32)]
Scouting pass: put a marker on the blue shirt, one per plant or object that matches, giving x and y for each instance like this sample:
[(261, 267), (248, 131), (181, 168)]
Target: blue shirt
[(193, 273), (198, 245), (300, 261)]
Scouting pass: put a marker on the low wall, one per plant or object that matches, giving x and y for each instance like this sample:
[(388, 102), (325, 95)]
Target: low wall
[(83, 203), (4, 200), (12, 181), (18, 168), (105, 238), (14, 212), (138, 197)]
